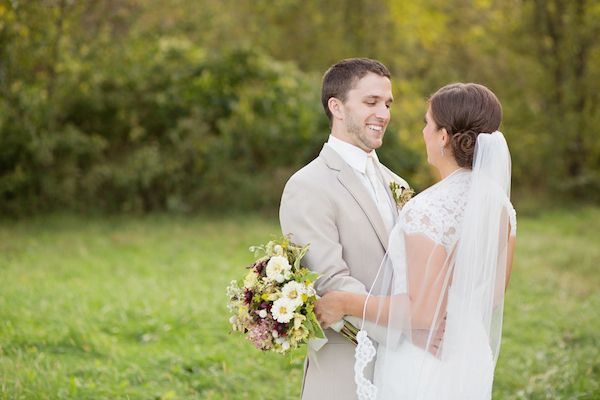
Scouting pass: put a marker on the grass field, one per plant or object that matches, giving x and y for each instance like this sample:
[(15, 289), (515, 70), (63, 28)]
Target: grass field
[(132, 307)]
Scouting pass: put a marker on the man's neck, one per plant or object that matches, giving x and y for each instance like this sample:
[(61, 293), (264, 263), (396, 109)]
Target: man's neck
[(347, 138)]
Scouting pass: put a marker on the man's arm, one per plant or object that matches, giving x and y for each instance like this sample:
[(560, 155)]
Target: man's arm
[(310, 217)]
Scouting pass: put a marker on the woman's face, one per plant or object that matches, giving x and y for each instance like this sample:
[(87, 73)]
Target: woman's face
[(431, 136)]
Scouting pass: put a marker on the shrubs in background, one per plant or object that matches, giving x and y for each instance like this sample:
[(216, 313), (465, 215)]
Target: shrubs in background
[(160, 126)]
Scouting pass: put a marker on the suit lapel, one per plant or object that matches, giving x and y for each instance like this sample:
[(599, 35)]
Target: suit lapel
[(387, 178), (350, 181)]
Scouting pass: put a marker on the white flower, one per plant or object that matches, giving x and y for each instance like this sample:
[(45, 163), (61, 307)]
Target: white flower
[(250, 280), (298, 320), (233, 321), (278, 250), (233, 290), (278, 269), (293, 291), (310, 290), (283, 310), (262, 313), (285, 345), (275, 334)]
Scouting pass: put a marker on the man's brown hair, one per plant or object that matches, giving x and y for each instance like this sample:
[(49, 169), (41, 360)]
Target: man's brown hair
[(341, 77)]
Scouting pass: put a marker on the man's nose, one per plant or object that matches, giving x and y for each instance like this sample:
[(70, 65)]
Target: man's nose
[(383, 112)]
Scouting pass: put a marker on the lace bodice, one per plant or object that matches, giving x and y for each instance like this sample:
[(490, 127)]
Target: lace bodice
[(438, 211)]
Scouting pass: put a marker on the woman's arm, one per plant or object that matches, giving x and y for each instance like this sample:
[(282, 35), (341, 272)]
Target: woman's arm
[(509, 258), (425, 301)]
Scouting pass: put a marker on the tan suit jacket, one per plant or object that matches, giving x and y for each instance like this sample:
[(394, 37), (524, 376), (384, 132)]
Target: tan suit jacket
[(326, 205)]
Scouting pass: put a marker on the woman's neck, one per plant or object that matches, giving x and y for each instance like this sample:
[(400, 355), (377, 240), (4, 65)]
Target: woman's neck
[(447, 168)]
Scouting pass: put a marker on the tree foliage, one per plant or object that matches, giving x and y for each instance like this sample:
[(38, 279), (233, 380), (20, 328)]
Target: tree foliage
[(129, 105)]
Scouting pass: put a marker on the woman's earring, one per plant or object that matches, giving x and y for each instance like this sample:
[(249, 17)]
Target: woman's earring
[(442, 150)]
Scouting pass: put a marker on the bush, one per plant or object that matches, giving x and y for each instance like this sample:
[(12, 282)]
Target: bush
[(160, 127)]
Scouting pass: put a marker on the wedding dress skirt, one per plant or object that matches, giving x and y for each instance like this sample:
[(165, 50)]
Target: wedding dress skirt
[(409, 372)]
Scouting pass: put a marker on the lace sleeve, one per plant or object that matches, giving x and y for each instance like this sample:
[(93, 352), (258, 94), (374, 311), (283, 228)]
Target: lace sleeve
[(512, 215), (417, 219), (437, 213)]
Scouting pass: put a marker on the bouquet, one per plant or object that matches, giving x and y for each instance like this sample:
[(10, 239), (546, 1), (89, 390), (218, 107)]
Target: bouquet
[(273, 305)]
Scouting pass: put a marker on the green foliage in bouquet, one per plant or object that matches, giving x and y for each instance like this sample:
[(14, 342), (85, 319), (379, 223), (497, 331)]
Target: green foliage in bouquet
[(273, 305)]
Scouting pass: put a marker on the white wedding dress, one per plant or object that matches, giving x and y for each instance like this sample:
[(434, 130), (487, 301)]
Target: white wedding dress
[(445, 276)]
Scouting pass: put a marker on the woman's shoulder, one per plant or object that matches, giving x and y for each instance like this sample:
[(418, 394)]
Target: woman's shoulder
[(443, 196), (438, 210)]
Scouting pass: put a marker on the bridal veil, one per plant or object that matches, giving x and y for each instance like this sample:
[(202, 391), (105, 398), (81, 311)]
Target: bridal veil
[(436, 306)]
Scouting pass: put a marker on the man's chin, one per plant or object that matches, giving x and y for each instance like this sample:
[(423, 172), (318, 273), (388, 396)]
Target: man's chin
[(376, 143)]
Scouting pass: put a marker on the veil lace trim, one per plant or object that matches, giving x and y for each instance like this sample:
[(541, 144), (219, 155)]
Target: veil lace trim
[(365, 353)]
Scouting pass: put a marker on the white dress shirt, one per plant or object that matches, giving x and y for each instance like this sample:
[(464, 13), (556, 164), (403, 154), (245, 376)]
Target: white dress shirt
[(357, 159)]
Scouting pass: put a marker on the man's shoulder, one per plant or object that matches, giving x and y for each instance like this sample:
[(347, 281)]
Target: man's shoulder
[(310, 185), (310, 173)]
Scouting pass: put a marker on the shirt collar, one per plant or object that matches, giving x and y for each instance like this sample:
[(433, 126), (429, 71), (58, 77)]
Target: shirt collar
[(352, 155)]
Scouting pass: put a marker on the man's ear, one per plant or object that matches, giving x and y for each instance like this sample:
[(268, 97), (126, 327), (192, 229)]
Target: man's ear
[(336, 107)]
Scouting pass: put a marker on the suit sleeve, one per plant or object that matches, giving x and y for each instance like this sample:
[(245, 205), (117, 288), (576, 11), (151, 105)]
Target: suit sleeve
[(309, 216)]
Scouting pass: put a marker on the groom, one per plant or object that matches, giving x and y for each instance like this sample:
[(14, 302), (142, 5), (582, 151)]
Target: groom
[(342, 206)]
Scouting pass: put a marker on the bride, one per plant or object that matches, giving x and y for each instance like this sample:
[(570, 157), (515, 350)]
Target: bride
[(436, 306)]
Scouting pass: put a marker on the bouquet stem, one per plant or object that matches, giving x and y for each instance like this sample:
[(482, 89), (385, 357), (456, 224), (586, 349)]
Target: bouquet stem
[(349, 331)]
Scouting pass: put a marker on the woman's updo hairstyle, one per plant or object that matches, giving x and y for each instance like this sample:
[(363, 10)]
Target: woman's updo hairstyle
[(465, 110)]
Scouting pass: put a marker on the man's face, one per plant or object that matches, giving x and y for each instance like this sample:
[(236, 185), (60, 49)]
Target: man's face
[(366, 111)]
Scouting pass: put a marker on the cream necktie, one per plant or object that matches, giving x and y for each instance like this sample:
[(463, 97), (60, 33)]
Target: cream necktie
[(381, 198)]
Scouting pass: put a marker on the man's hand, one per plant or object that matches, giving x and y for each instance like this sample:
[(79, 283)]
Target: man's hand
[(330, 308), (438, 336), (433, 344)]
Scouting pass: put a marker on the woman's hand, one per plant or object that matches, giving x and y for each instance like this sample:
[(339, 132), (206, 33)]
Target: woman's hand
[(330, 308)]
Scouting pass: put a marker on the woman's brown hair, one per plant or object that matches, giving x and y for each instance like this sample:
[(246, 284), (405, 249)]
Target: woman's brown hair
[(465, 110)]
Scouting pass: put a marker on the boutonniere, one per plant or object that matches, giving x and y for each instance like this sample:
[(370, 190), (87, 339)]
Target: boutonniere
[(401, 194)]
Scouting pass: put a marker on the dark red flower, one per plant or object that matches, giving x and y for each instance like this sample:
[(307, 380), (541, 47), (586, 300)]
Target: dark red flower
[(281, 328), (260, 268), (248, 296)]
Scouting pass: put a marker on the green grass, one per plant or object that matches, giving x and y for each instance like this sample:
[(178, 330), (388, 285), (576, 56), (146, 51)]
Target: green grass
[(130, 307)]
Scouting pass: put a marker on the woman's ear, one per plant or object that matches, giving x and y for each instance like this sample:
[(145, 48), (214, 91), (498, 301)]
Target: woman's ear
[(444, 137), (336, 107)]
